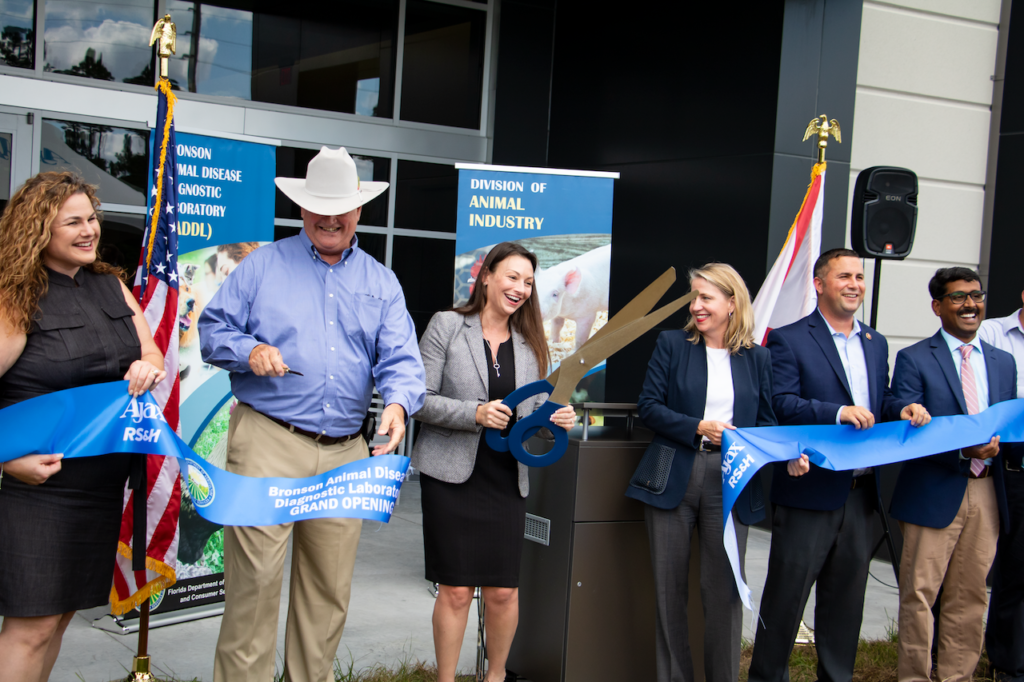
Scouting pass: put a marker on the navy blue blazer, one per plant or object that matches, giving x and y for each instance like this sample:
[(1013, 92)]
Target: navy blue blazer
[(929, 490), (809, 387), (672, 404)]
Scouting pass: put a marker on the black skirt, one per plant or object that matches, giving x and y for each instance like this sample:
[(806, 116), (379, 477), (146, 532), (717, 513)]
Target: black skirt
[(58, 541), (473, 531)]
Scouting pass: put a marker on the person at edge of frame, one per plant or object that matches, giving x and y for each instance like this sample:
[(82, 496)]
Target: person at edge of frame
[(950, 505), (317, 304), (66, 320), (1004, 633), (828, 368)]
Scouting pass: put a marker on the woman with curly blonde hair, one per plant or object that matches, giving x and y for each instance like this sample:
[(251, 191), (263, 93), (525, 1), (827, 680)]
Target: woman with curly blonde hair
[(66, 320)]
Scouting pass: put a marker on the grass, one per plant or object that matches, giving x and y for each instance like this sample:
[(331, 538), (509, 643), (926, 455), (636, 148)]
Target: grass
[(876, 661)]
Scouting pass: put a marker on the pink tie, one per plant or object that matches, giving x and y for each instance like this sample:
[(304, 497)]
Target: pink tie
[(970, 396)]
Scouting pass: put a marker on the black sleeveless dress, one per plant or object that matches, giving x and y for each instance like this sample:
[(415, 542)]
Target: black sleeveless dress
[(58, 540), (473, 531)]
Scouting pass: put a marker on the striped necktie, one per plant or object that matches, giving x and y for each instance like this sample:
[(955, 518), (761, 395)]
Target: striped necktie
[(970, 396)]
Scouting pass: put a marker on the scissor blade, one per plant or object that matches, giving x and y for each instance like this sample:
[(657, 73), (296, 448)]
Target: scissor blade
[(579, 363), (641, 304)]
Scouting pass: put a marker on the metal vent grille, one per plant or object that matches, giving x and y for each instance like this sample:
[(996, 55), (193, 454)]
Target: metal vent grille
[(538, 529)]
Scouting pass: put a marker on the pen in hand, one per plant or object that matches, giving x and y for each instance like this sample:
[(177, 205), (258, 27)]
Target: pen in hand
[(289, 370)]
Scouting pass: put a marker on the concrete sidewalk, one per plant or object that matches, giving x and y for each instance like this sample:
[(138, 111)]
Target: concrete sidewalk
[(390, 611)]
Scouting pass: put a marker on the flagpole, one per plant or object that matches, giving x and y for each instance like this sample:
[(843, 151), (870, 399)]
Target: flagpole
[(164, 36)]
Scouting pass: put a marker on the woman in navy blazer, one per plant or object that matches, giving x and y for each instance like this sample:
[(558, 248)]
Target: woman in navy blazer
[(688, 400)]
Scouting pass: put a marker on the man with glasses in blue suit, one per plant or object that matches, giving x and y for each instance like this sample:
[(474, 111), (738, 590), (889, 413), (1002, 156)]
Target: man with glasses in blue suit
[(950, 505)]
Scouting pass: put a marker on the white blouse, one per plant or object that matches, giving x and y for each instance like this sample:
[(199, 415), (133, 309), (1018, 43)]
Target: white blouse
[(718, 406)]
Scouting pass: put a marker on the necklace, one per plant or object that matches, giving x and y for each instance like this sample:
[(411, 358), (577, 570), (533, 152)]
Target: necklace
[(494, 354)]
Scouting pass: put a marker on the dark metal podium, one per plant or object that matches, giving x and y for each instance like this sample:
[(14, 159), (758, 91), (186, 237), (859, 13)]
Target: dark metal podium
[(586, 593)]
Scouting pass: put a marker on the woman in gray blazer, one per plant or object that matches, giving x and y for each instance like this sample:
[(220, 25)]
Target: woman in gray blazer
[(474, 507)]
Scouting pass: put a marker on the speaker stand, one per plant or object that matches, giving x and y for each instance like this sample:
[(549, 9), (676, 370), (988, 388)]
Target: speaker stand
[(886, 532), (874, 293)]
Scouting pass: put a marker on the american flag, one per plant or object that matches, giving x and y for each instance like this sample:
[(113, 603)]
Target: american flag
[(156, 288)]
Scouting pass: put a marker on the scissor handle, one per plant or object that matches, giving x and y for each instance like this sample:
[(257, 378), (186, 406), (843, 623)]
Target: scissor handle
[(525, 429), (494, 437)]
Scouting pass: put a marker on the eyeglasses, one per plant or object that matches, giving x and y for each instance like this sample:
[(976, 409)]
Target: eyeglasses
[(958, 297)]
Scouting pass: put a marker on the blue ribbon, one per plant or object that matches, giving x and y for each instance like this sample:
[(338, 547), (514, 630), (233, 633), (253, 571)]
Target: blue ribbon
[(745, 451), (104, 418)]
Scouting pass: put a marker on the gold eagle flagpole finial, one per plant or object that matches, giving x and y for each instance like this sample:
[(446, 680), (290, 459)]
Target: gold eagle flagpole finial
[(167, 34), (822, 128)]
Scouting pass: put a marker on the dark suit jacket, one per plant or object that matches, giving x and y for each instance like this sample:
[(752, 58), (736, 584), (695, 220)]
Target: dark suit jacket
[(672, 404), (809, 387), (929, 490)]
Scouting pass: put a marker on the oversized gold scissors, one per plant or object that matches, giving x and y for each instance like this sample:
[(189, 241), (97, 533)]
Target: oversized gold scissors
[(625, 327)]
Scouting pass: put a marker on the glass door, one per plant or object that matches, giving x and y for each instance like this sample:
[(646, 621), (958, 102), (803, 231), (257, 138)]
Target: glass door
[(15, 161)]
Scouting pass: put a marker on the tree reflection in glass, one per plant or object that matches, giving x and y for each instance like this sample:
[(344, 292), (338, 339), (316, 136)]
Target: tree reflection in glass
[(214, 49), (102, 40), (17, 37), (115, 159)]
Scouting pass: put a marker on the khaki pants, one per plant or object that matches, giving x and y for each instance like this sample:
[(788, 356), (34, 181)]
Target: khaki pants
[(957, 558), (323, 556)]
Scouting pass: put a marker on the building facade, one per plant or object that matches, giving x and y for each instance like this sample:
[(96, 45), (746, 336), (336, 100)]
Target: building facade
[(700, 109)]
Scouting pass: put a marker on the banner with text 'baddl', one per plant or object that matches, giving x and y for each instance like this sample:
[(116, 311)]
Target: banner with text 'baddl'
[(225, 211)]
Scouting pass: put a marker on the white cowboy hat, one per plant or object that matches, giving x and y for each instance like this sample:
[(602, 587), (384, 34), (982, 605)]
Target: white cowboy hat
[(331, 185)]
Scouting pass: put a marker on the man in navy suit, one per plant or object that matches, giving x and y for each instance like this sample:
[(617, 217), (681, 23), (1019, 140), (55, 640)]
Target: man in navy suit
[(827, 369), (950, 505)]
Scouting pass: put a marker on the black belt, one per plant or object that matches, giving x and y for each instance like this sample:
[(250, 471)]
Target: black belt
[(1012, 463), (320, 438), (709, 447)]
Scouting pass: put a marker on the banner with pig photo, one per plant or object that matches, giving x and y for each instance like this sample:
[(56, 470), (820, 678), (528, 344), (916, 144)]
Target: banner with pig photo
[(563, 217)]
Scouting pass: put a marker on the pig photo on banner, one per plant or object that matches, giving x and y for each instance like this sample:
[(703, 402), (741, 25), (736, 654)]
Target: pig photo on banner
[(562, 217)]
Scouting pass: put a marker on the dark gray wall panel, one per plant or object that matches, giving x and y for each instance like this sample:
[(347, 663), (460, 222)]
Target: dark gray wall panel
[(522, 99), (817, 75), (1006, 277)]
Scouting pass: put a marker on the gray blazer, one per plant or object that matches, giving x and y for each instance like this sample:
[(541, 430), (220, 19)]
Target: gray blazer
[(456, 372)]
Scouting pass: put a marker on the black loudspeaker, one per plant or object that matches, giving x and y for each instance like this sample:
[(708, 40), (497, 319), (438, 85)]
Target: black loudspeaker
[(884, 212)]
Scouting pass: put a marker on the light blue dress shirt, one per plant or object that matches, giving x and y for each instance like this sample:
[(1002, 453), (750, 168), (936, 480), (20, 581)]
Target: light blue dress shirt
[(977, 364), (344, 326), (851, 354), (1006, 333)]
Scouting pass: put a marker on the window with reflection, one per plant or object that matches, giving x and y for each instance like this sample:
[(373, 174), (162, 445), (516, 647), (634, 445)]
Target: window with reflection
[(292, 162), (427, 196), (214, 54), (443, 66), (6, 152), (299, 54), (107, 41), (114, 159), (17, 35), (121, 240), (319, 57), (424, 268)]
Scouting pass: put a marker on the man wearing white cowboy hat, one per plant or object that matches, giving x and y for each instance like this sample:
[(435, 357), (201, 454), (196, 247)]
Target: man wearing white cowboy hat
[(306, 326)]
